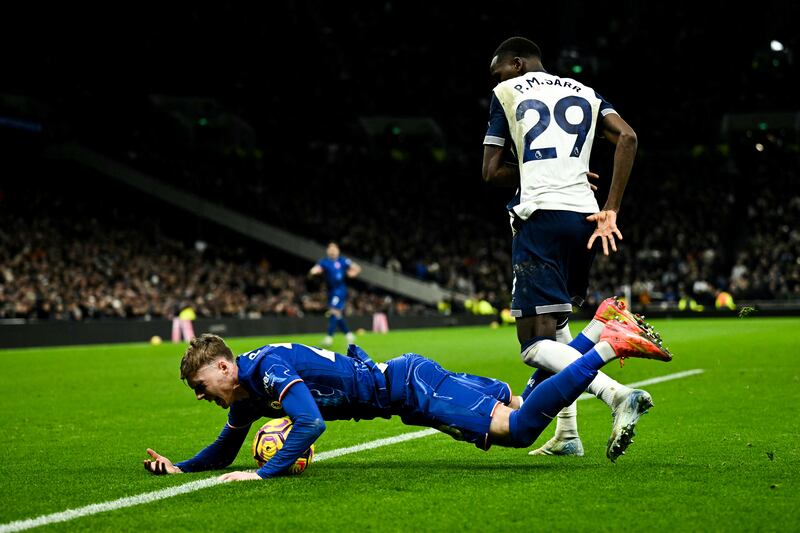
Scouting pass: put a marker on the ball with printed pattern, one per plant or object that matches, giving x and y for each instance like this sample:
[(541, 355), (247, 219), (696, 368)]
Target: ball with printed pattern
[(271, 437)]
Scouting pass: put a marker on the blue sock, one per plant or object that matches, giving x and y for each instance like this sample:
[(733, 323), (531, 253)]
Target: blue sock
[(331, 325), (582, 343), (550, 396), (343, 326), (536, 378)]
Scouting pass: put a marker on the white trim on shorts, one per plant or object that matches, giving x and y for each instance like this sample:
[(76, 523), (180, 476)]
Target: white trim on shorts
[(545, 309)]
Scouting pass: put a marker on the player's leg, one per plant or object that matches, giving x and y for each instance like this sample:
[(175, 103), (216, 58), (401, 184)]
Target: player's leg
[(542, 304), (620, 398), (627, 404), (339, 302), (542, 301), (566, 440), (520, 428), (499, 390), (583, 342), (343, 327), (455, 404), (333, 319), (551, 265)]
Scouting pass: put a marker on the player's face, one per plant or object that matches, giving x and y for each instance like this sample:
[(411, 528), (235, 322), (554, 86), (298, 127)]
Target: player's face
[(505, 69), (333, 251), (214, 383)]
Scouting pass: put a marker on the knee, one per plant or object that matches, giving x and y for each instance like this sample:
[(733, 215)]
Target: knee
[(529, 351)]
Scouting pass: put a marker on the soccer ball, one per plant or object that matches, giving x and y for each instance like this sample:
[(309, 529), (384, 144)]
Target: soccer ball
[(271, 437)]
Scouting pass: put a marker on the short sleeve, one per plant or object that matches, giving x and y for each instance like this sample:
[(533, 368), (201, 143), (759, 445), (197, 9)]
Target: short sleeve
[(497, 130), (605, 107)]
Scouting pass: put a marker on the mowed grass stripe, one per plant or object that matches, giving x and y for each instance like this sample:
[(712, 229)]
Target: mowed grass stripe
[(148, 497)]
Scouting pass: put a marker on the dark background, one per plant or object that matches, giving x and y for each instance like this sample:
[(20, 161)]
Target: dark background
[(261, 108)]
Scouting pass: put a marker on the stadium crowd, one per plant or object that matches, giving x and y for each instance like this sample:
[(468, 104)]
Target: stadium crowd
[(67, 265), (742, 239), (701, 214)]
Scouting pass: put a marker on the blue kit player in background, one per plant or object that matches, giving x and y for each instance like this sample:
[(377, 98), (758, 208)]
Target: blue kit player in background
[(549, 124), (336, 269), (311, 385)]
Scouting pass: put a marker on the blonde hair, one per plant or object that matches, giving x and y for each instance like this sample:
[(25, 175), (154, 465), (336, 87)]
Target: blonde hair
[(203, 350)]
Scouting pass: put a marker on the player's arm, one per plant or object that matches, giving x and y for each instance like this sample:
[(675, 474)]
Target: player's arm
[(307, 426), (616, 130), (353, 270), (619, 132), (218, 454), (496, 171)]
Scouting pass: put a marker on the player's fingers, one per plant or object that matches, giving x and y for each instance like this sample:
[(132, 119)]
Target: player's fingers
[(618, 233), (591, 241), (593, 175), (605, 245), (593, 187), (613, 242), (151, 467), (152, 453)]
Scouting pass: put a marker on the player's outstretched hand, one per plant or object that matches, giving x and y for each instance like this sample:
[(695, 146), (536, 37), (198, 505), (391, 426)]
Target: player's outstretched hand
[(239, 476), (606, 229), (159, 465), (593, 176)]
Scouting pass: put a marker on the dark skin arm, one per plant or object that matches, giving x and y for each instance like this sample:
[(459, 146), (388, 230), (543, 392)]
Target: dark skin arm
[(616, 130), (495, 170)]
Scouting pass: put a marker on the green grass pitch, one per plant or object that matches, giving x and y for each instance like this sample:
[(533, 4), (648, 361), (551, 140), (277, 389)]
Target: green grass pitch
[(718, 451)]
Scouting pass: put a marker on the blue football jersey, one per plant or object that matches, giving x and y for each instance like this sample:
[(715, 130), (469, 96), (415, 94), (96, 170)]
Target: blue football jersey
[(335, 273), (343, 386)]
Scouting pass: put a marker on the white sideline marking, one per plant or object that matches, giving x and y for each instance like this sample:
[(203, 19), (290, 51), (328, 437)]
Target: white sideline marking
[(147, 497), (659, 379), (373, 444)]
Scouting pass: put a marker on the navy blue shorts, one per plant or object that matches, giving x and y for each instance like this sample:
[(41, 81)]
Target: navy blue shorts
[(461, 405), (336, 300), (551, 263)]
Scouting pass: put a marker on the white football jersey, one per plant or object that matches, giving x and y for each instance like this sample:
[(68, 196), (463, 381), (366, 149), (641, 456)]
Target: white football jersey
[(552, 123)]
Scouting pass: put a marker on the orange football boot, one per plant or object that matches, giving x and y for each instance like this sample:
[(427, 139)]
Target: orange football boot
[(629, 343), (615, 309)]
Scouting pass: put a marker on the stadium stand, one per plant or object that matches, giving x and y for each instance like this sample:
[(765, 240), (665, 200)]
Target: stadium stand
[(704, 211)]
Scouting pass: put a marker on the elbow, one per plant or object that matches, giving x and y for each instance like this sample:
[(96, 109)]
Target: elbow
[(488, 170), (318, 426), (628, 139)]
